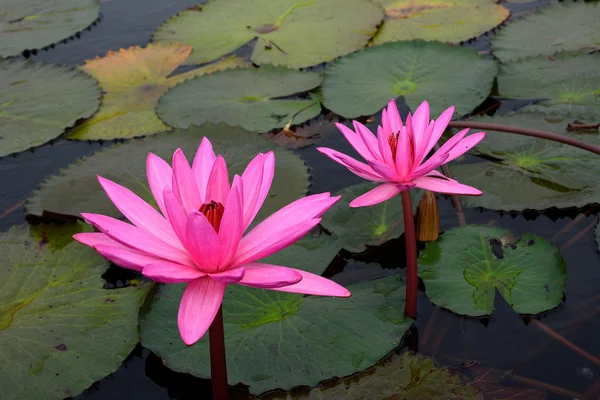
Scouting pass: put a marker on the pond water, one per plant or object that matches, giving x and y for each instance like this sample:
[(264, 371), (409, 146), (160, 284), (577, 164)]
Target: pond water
[(505, 341)]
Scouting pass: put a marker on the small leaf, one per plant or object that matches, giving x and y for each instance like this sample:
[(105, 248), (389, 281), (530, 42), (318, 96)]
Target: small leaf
[(464, 268)]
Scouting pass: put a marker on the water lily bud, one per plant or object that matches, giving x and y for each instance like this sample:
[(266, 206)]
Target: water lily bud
[(428, 218)]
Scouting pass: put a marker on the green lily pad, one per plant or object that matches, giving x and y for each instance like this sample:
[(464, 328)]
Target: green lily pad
[(39, 101), (291, 33), (75, 189), (133, 80), (277, 340), (463, 269), (531, 173), (34, 24), (567, 26), (366, 226), (444, 21), (249, 97), (404, 376), (60, 330), (364, 82), (570, 85)]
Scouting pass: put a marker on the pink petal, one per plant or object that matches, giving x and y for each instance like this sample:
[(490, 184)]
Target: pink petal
[(438, 130), (394, 117), (315, 285), (383, 138), (403, 159), (136, 238), (377, 195), (115, 251), (184, 184), (387, 172), (445, 186), (369, 140), (232, 223), (218, 183), (464, 145), (168, 272), (257, 179), (199, 305), (202, 165), (450, 143), (354, 166), (159, 177), (355, 141), (420, 121), (126, 258), (139, 213), (177, 216), (385, 123), (432, 163), (203, 242), (254, 247), (230, 276), (269, 276)]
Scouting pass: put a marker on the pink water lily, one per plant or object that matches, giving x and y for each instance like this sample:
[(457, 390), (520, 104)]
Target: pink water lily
[(396, 157), (198, 237)]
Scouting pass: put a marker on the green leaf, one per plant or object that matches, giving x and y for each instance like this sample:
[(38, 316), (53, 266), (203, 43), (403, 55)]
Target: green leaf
[(444, 21), (39, 101), (278, 340), (133, 80), (559, 27), (252, 98), (60, 330), (364, 82), (288, 32), (34, 24), (366, 226), (75, 189), (531, 173), (58, 236), (463, 269), (570, 85), (404, 376)]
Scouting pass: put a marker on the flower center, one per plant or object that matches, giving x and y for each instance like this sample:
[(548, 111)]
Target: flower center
[(213, 212), (393, 141)]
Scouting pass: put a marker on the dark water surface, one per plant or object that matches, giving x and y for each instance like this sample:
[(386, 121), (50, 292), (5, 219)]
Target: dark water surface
[(505, 341)]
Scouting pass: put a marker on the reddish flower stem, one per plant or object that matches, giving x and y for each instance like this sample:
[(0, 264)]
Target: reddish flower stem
[(526, 132), (412, 280), (218, 362)]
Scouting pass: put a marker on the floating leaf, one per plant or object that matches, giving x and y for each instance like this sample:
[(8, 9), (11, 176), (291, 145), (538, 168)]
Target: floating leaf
[(277, 340), (570, 85), (248, 97), (34, 24), (38, 101), (551, 29), (57, 236), (531, 173), (75, 189), (364, 82), (465, 267), (133, 80), (366, 226), (404, 376), (288, 32), (444, 21), (60, 330)]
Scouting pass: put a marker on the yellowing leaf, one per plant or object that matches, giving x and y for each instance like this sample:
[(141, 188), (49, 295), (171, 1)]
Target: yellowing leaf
[(133, 80)]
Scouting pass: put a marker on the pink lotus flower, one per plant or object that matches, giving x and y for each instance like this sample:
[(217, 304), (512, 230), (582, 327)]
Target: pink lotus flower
[(396, 157), (198, 238)]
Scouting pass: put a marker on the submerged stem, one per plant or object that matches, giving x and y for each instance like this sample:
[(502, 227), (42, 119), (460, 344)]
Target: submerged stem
[(526, 132), (218, 363), (412, 280)]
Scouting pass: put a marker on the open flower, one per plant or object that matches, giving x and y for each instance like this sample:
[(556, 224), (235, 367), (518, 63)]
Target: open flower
[(198, 238), (396, 157)]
